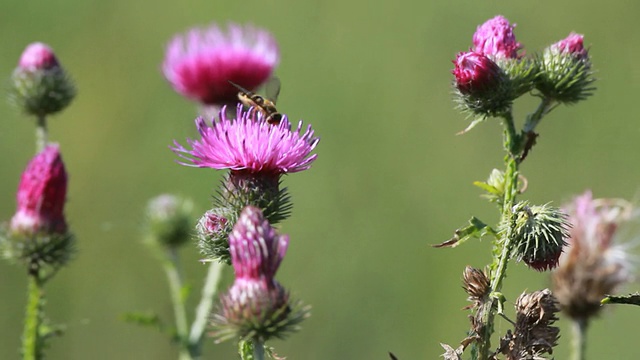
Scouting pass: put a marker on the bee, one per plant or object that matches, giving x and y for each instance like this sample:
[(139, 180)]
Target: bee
[(264, 104)]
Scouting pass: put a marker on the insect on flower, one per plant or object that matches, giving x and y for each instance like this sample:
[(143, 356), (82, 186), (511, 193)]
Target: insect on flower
[(264, 104)]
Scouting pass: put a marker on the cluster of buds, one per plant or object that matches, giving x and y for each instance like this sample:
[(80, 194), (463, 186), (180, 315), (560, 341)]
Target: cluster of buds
[(40, 86), (257, 307), (593, 265), (38, 233), (491, 75)]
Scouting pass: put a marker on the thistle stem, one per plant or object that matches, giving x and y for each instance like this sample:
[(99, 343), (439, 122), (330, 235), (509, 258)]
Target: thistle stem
[(579, 341), (31, 340), (503, 245), (204, 307), (171, 268), (546, 105), (41, 133), (258, 350)]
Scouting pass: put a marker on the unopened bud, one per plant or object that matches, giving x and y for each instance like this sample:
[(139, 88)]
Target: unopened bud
[(40, 86)]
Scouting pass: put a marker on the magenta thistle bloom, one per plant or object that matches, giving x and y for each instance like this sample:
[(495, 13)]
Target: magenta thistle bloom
[(249, 143), (38, 56), (200, 64), (572, 45), (475, 73), (42, 194), (495, 38)]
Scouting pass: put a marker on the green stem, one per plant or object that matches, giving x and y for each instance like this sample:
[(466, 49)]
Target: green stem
[(533, 119), (31, 340), (258, 350), (41, 133), (579, 342), (503, 245), (203, 310), (171, 268)]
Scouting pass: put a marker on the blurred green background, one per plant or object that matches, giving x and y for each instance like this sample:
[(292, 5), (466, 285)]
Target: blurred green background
[(391, 178)]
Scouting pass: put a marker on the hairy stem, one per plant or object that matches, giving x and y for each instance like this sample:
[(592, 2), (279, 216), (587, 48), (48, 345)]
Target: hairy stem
[(203, 310), (502, 246), (31, 340), (579, 341), (171, 268), (546, 105), (258, 350), (41, 133)]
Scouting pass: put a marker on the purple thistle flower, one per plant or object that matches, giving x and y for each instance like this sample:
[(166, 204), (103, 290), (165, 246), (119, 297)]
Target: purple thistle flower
[(594, 264), (200, 64), (249, 143), (495, 38)]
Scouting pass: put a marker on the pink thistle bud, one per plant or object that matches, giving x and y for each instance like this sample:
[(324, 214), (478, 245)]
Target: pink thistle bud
[(256, 306), (42, 194), (475, 73), (572, 45), (495, 38), (200, 64), (256, 249), (38, 56)]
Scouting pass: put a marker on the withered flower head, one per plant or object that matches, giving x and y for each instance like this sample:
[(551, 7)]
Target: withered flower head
[(533, 336), (476, 284), (593, 265)]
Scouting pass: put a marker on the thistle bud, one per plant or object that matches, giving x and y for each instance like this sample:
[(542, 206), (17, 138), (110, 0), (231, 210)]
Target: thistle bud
[(565, 71), (482, 88), (256, 306), (41, 195), (213, 230), (38, 234), (169, 220), (40, 86), (539, 233)]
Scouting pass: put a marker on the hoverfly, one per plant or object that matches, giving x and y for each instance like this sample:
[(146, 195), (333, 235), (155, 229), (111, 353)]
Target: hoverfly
[(264, 104)]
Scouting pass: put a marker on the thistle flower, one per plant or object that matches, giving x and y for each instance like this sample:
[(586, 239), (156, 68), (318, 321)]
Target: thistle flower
[(249, 144), (533, 335), (200, 64), (593, 264), (481, 86), (41, 195), (40, 86), (540, 233), (565, 71), (495, 39), (169, 220), (256, 306)]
